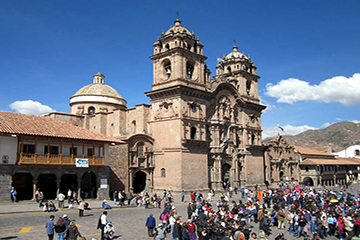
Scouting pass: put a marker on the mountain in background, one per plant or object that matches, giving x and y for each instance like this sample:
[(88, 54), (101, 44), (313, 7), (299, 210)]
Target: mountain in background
[(338, 135)]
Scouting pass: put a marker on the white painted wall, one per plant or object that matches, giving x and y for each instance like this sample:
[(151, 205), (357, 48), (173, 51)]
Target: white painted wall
[(8, 149), (349, 152)]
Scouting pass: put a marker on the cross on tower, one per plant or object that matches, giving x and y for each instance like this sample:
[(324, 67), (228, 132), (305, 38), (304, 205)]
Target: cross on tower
[(177, 14), (234, 42)]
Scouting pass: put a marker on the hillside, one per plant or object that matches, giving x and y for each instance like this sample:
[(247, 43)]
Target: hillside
[(338, 135)]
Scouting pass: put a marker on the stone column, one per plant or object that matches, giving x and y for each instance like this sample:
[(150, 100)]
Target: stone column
[(79, 187), (58, 181), (217, 173), (34, 189), (130, 180)]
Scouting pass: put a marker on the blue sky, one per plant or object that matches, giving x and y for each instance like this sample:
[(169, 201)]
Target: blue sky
[(307, 52)]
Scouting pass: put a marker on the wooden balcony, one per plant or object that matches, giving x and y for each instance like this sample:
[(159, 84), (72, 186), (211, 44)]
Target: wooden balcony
[(49, 159)]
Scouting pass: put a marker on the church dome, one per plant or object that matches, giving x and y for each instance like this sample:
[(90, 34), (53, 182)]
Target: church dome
[(98, 91), (177, 29), (235, 54)]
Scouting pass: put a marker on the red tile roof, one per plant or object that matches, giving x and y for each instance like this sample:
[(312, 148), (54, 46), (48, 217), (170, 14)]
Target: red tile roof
[(22, 124), (310, 151), (336, 161)]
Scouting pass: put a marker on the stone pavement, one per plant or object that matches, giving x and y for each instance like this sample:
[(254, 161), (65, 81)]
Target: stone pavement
[(128, 221)]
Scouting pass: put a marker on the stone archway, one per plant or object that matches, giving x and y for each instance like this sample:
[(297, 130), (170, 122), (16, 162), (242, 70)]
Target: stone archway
[(88, 185), (47, 184), (23, 184), (68, 181), (139, 182), (308, 181), (225, 175)]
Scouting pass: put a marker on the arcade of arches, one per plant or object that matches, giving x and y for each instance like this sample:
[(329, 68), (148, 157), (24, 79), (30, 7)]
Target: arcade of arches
[(51, 181)]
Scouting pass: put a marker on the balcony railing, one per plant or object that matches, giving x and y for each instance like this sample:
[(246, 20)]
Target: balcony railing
[(50, 159)]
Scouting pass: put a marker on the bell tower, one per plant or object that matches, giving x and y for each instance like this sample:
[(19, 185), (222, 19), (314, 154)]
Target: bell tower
[(178, 59), (178, 111)]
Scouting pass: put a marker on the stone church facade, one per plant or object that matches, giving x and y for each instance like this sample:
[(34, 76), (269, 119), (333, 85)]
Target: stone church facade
[(199, 132)]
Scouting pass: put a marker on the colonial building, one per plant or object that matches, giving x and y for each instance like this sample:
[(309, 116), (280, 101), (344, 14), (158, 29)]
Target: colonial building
[(198, 132), (38, 152), (323, 168), (281, 162), (350, 152)]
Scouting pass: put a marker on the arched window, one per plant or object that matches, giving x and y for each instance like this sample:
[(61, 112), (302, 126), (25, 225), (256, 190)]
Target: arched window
[(193, 133), (91, 110), (167, 46), (248, 87), (357, 152), (163, 172), (140, 149), (189, 69), (253, 139), (193, 107), (133, 126), (167, 67), (229, 69), (225, 131)]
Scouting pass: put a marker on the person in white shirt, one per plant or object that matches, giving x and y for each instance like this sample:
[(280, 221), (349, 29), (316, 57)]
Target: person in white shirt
[(102, 223)]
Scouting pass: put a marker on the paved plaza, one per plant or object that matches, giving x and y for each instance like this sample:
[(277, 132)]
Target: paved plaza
[(24, 220)]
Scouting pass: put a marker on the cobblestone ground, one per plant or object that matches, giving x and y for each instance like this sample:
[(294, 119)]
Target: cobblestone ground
[(129, 223)]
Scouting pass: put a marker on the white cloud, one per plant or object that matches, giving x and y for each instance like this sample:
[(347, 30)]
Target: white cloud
[(337, 89), (355, 121), (30, 107), (325, 125), (288, 130)]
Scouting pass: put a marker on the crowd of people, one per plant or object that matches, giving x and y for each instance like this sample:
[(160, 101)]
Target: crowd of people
[(298, 213), (311, 214)]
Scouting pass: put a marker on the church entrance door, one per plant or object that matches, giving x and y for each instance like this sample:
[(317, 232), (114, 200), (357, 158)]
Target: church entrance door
[(139, 182), (225, 175)]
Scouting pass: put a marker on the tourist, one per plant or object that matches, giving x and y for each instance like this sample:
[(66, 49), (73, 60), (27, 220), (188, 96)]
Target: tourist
[(102, 223), (50, 227)]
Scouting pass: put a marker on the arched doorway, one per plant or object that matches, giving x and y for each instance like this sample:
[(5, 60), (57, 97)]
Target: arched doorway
[(225, 175), (47, 184), (139, 182), (88, 185), (308, 181), (23, 184), (68, 181)]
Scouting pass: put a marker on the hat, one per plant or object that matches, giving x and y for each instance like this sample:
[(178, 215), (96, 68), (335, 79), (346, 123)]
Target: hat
[(348, 218), (173, 207), (261, 234), (65, 216), (160, 225)]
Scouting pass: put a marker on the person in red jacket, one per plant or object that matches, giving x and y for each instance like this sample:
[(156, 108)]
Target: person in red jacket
[(341, 227), (191, 230)]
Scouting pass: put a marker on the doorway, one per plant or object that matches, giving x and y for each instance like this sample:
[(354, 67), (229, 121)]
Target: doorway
[(139, 182), (23, 184)]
